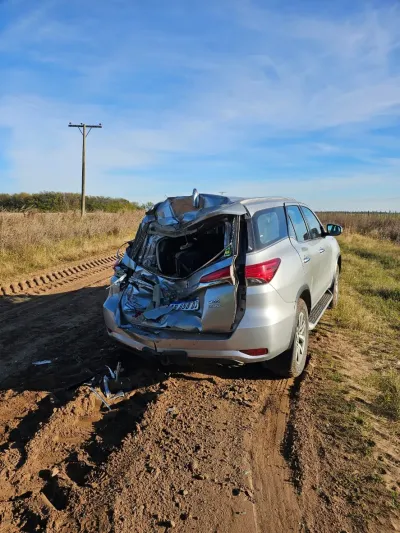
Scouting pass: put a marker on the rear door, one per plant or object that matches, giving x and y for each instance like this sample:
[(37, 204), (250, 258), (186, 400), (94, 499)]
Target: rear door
[(206, 301), (308, 252), (216, 288), (323, 248)]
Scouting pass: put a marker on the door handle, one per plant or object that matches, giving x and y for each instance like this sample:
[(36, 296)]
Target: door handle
[(321, 250), (306, 259)]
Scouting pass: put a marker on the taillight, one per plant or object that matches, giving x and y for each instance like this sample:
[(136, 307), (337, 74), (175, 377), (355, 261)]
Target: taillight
[(218, 274), (256, 351), (262, 272)]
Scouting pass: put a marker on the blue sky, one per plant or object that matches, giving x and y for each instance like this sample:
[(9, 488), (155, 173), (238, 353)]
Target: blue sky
[(249, 97)]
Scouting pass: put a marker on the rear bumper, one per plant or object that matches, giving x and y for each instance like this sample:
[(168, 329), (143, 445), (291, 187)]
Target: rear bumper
[(232, 355), (267, 323)]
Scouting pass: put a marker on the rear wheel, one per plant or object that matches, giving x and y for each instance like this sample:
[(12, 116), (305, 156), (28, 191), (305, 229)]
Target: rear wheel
[(291, 363)]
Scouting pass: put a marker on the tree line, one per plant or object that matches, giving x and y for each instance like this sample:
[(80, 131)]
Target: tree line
[(64, 201)]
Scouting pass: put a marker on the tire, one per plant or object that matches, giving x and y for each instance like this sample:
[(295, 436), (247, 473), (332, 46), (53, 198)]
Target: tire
[(291, 363), (335, 289)]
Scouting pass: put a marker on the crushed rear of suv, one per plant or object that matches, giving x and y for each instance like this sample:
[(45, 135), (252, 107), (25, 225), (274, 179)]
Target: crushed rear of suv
[(215, 277)]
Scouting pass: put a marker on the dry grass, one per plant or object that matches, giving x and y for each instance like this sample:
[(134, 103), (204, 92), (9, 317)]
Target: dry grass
[(378, 225), (40, 240)]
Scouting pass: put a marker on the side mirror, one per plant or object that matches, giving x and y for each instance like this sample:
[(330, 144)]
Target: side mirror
[(334, 230)]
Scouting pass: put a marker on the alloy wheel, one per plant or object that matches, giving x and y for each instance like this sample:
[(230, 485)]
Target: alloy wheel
[(301, 334)]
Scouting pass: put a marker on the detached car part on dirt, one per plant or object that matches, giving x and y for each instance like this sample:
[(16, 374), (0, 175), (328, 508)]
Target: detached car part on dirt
[(215, 277)]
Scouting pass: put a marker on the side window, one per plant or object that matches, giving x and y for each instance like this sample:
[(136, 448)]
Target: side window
[(313, 223), (269, 226), (297, 220), (292, 233)]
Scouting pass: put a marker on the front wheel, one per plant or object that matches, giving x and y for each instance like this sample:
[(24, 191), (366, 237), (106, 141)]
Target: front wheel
[(335, 289), (291, 363)]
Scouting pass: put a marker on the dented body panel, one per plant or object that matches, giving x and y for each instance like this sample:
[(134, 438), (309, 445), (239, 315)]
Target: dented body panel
[(138, 306), (180, 212), (182, 300)]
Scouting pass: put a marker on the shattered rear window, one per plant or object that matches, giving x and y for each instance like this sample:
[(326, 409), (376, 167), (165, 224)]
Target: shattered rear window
[(269, 226), (181, 255)]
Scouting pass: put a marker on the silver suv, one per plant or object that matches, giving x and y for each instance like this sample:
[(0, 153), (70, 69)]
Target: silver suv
[(234, 279)]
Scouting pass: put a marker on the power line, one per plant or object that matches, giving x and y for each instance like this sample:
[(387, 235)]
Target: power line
[(82, 128)]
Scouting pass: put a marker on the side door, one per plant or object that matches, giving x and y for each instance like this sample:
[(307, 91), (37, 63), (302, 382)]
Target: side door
[(322, 247), (300, 239)]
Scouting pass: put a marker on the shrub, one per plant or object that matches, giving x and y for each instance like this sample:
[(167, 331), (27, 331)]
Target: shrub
[(61, 202)]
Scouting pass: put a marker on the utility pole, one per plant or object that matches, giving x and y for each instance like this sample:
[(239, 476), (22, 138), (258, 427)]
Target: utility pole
[(82, 128)]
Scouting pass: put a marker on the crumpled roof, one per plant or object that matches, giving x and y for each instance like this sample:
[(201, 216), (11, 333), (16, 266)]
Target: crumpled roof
[(180, 210)]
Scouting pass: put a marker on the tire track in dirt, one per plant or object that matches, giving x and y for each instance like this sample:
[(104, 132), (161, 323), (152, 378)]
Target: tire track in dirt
[(45, 281), (198, 449), (271, 476), (185, 464)]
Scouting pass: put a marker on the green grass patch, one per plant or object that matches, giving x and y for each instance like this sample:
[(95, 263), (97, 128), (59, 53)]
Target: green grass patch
[(351, 409), (387, 400), (353, 474), (370, 288)]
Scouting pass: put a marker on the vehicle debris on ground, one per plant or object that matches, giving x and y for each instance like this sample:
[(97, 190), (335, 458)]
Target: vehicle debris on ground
[(103, 385)]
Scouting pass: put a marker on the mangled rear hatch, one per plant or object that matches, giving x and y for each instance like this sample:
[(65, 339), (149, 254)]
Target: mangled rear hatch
[(184, 268)]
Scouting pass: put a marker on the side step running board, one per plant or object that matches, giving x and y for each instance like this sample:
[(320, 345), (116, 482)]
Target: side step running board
[(319, 309)]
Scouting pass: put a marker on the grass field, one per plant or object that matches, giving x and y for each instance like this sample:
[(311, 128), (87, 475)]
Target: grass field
[(371, 285), (35, 241), (370, 308), (373, 224), (351, 391)]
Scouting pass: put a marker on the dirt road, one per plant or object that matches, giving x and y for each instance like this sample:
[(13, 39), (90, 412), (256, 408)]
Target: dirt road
[(185, 449)]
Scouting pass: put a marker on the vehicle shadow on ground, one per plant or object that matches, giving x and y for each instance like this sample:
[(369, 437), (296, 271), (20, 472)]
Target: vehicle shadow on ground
[(67, 330)]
